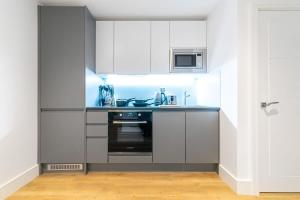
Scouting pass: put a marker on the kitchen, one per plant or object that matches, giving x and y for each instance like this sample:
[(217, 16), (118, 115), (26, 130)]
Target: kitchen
[(140, 93), (128, 111)]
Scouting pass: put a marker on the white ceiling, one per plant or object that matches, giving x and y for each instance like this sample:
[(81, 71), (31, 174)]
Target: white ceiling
[(142, 9)]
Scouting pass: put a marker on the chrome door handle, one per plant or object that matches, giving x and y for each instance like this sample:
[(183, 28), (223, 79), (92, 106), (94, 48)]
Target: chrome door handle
[(265, 104)]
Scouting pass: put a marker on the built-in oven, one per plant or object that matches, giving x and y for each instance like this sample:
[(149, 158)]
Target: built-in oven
[(184, 60), (130, 132)]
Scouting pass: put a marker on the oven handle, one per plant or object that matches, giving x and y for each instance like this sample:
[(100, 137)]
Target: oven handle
[(130, 122)]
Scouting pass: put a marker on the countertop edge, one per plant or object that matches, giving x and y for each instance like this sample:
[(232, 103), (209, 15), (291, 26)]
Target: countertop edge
[(154, 108)]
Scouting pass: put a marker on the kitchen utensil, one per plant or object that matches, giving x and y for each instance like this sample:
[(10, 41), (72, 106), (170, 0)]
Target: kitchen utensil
[(142, 101), (123, 102), (172, 100), (141, 104), (106, 95)]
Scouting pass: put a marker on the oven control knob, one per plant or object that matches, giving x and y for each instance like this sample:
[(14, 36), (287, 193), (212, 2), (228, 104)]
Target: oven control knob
[(139, 114)]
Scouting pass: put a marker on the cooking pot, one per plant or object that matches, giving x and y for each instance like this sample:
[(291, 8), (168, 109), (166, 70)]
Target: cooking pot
[(142, 104), (123, 102)]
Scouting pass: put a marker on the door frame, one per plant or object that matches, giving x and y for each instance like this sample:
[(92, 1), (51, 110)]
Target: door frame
[(256, 8)]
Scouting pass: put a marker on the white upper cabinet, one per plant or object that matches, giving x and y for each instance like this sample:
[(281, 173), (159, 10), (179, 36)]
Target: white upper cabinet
[(104, 47), (160, 44), (142, 47), (132, 47), (188, 34)]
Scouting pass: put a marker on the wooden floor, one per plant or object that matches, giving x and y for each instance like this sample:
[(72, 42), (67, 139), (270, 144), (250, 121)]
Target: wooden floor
[(138, 185)]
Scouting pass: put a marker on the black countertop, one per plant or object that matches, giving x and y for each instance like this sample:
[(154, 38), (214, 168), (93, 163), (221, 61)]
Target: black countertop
[(157, 108)]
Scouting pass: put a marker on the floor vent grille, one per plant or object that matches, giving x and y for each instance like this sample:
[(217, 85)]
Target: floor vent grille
[(65, 167)]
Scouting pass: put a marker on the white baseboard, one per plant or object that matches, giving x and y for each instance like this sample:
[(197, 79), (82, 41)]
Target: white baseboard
[(18, 181), (228, 178), (240, 186)]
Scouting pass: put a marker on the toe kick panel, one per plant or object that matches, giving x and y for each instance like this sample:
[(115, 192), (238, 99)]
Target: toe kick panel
[(130, 159)]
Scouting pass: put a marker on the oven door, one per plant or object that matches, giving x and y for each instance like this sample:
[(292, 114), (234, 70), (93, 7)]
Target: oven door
[(127, 136)]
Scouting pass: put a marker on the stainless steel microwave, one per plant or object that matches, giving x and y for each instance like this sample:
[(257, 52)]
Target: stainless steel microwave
[(184, 60)]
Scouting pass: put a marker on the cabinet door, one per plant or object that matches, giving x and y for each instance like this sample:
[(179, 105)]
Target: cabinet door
[(90, 41), (97, 150), (105, 47), (62, 137), (169, 137), (62, 57), (160, 45), (132, 47), (188, 34), (202, 137)]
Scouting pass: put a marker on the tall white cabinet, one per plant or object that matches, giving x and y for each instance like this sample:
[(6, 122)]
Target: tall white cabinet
[(132, 47), (105, 47)]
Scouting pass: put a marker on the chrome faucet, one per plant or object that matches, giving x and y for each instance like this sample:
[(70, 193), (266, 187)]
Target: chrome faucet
[(186, 95)]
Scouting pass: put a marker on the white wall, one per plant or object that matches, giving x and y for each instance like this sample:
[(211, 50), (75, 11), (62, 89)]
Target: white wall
[(222, 48), (245, 97), (230, 48), (18, 92)]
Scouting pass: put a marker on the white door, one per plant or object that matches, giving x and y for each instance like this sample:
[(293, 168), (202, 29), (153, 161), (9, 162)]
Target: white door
[(132, 47), (279, 81)]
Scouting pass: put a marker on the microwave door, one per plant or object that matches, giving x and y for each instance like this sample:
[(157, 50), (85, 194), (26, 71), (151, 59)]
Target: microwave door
[(185, 60)]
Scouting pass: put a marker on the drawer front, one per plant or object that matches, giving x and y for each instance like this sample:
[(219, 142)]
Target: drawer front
[(97, 150), (97, 117), (130, 159), (97, 130)]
